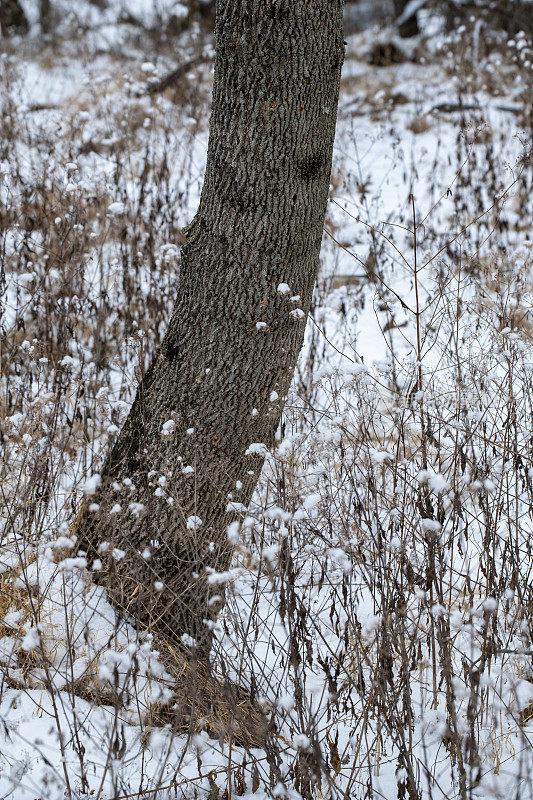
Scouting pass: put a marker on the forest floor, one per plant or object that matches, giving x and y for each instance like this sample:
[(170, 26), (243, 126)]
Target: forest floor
[(380, 605)]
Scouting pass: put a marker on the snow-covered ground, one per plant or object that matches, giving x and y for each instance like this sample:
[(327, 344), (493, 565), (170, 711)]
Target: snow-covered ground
[(372, 668)]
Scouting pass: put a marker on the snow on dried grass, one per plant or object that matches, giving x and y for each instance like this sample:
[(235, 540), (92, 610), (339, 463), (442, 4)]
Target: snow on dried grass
[(379, 610)]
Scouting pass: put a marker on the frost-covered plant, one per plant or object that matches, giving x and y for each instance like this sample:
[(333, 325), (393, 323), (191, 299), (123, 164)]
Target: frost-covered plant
[(379, 608)]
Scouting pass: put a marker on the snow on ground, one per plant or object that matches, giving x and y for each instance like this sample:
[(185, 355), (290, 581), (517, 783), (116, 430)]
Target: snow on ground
[(404, 131)]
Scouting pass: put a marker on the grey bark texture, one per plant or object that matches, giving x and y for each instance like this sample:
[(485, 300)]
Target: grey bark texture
[(227, 360)]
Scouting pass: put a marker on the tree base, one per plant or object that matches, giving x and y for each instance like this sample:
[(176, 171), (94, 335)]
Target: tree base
[(204, 702)]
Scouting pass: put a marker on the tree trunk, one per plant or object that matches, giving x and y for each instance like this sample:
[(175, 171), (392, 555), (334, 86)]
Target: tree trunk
[(44, 15), (219, 381), (410, 26), (12, 17), (203, 11)]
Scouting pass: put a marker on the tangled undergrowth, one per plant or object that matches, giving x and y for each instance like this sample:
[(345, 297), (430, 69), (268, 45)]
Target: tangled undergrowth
[(379, 611)]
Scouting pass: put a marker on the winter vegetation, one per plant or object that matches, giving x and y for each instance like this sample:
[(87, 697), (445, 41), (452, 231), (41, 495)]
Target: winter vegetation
[(369, 613)]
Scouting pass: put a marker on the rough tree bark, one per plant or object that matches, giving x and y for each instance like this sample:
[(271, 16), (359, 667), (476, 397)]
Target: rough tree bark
[(222, 374)]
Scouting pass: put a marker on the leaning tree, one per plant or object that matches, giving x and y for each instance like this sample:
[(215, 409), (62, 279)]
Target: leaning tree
[(192, 446)]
